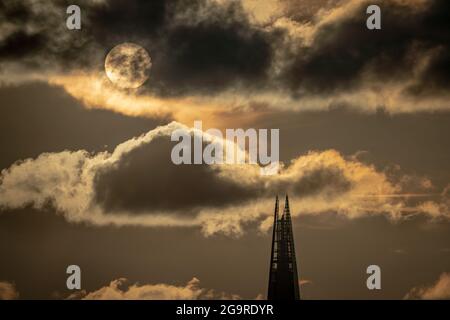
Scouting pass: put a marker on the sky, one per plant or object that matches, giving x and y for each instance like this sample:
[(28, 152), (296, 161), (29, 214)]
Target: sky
[(86, 172)]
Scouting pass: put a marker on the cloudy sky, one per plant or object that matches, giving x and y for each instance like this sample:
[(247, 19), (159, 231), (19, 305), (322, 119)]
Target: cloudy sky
[(86, 174)]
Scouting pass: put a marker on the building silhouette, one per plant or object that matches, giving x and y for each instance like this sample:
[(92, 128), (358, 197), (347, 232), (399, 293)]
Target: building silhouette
[(283, 278)]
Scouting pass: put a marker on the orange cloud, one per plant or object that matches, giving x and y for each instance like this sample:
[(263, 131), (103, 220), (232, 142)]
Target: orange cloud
[(8, 291), (438, 291), (119, 290), (318, 182)]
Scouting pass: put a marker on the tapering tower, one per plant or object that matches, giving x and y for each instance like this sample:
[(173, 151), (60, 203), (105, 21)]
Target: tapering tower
[(283, 278)]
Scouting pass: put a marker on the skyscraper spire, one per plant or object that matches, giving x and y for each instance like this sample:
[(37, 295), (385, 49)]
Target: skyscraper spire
[(283, 278), (286, 207)]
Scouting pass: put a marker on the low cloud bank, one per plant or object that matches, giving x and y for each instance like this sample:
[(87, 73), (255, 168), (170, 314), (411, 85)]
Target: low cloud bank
[(137, 184), (8, 291), (119, 290), (440, 290)]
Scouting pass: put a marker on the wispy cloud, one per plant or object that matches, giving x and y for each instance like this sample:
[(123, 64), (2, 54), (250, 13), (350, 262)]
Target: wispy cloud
[(437, 291), (8, 291), (119, 289)]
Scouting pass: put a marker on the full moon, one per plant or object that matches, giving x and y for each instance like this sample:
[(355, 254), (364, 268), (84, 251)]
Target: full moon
[(128, 65)]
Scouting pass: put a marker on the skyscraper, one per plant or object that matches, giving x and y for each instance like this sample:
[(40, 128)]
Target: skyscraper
[(283, 278)]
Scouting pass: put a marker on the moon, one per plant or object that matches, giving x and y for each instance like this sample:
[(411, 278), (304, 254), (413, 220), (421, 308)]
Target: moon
[(128, 65)]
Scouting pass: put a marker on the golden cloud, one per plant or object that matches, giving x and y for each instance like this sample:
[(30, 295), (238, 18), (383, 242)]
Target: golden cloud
[(438, 291), (119, 290), (318, 182)]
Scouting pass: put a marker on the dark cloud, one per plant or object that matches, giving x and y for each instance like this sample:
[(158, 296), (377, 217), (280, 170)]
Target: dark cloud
[(436, 78), (201, 46), (20, 44), (146, 180), (210, 56), (34, 35), (326, 181), (138, 20), (210, 49), (195, 45), (345, 49)]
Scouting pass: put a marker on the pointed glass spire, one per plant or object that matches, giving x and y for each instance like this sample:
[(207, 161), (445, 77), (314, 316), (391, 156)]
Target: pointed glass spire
[(283, 278)]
